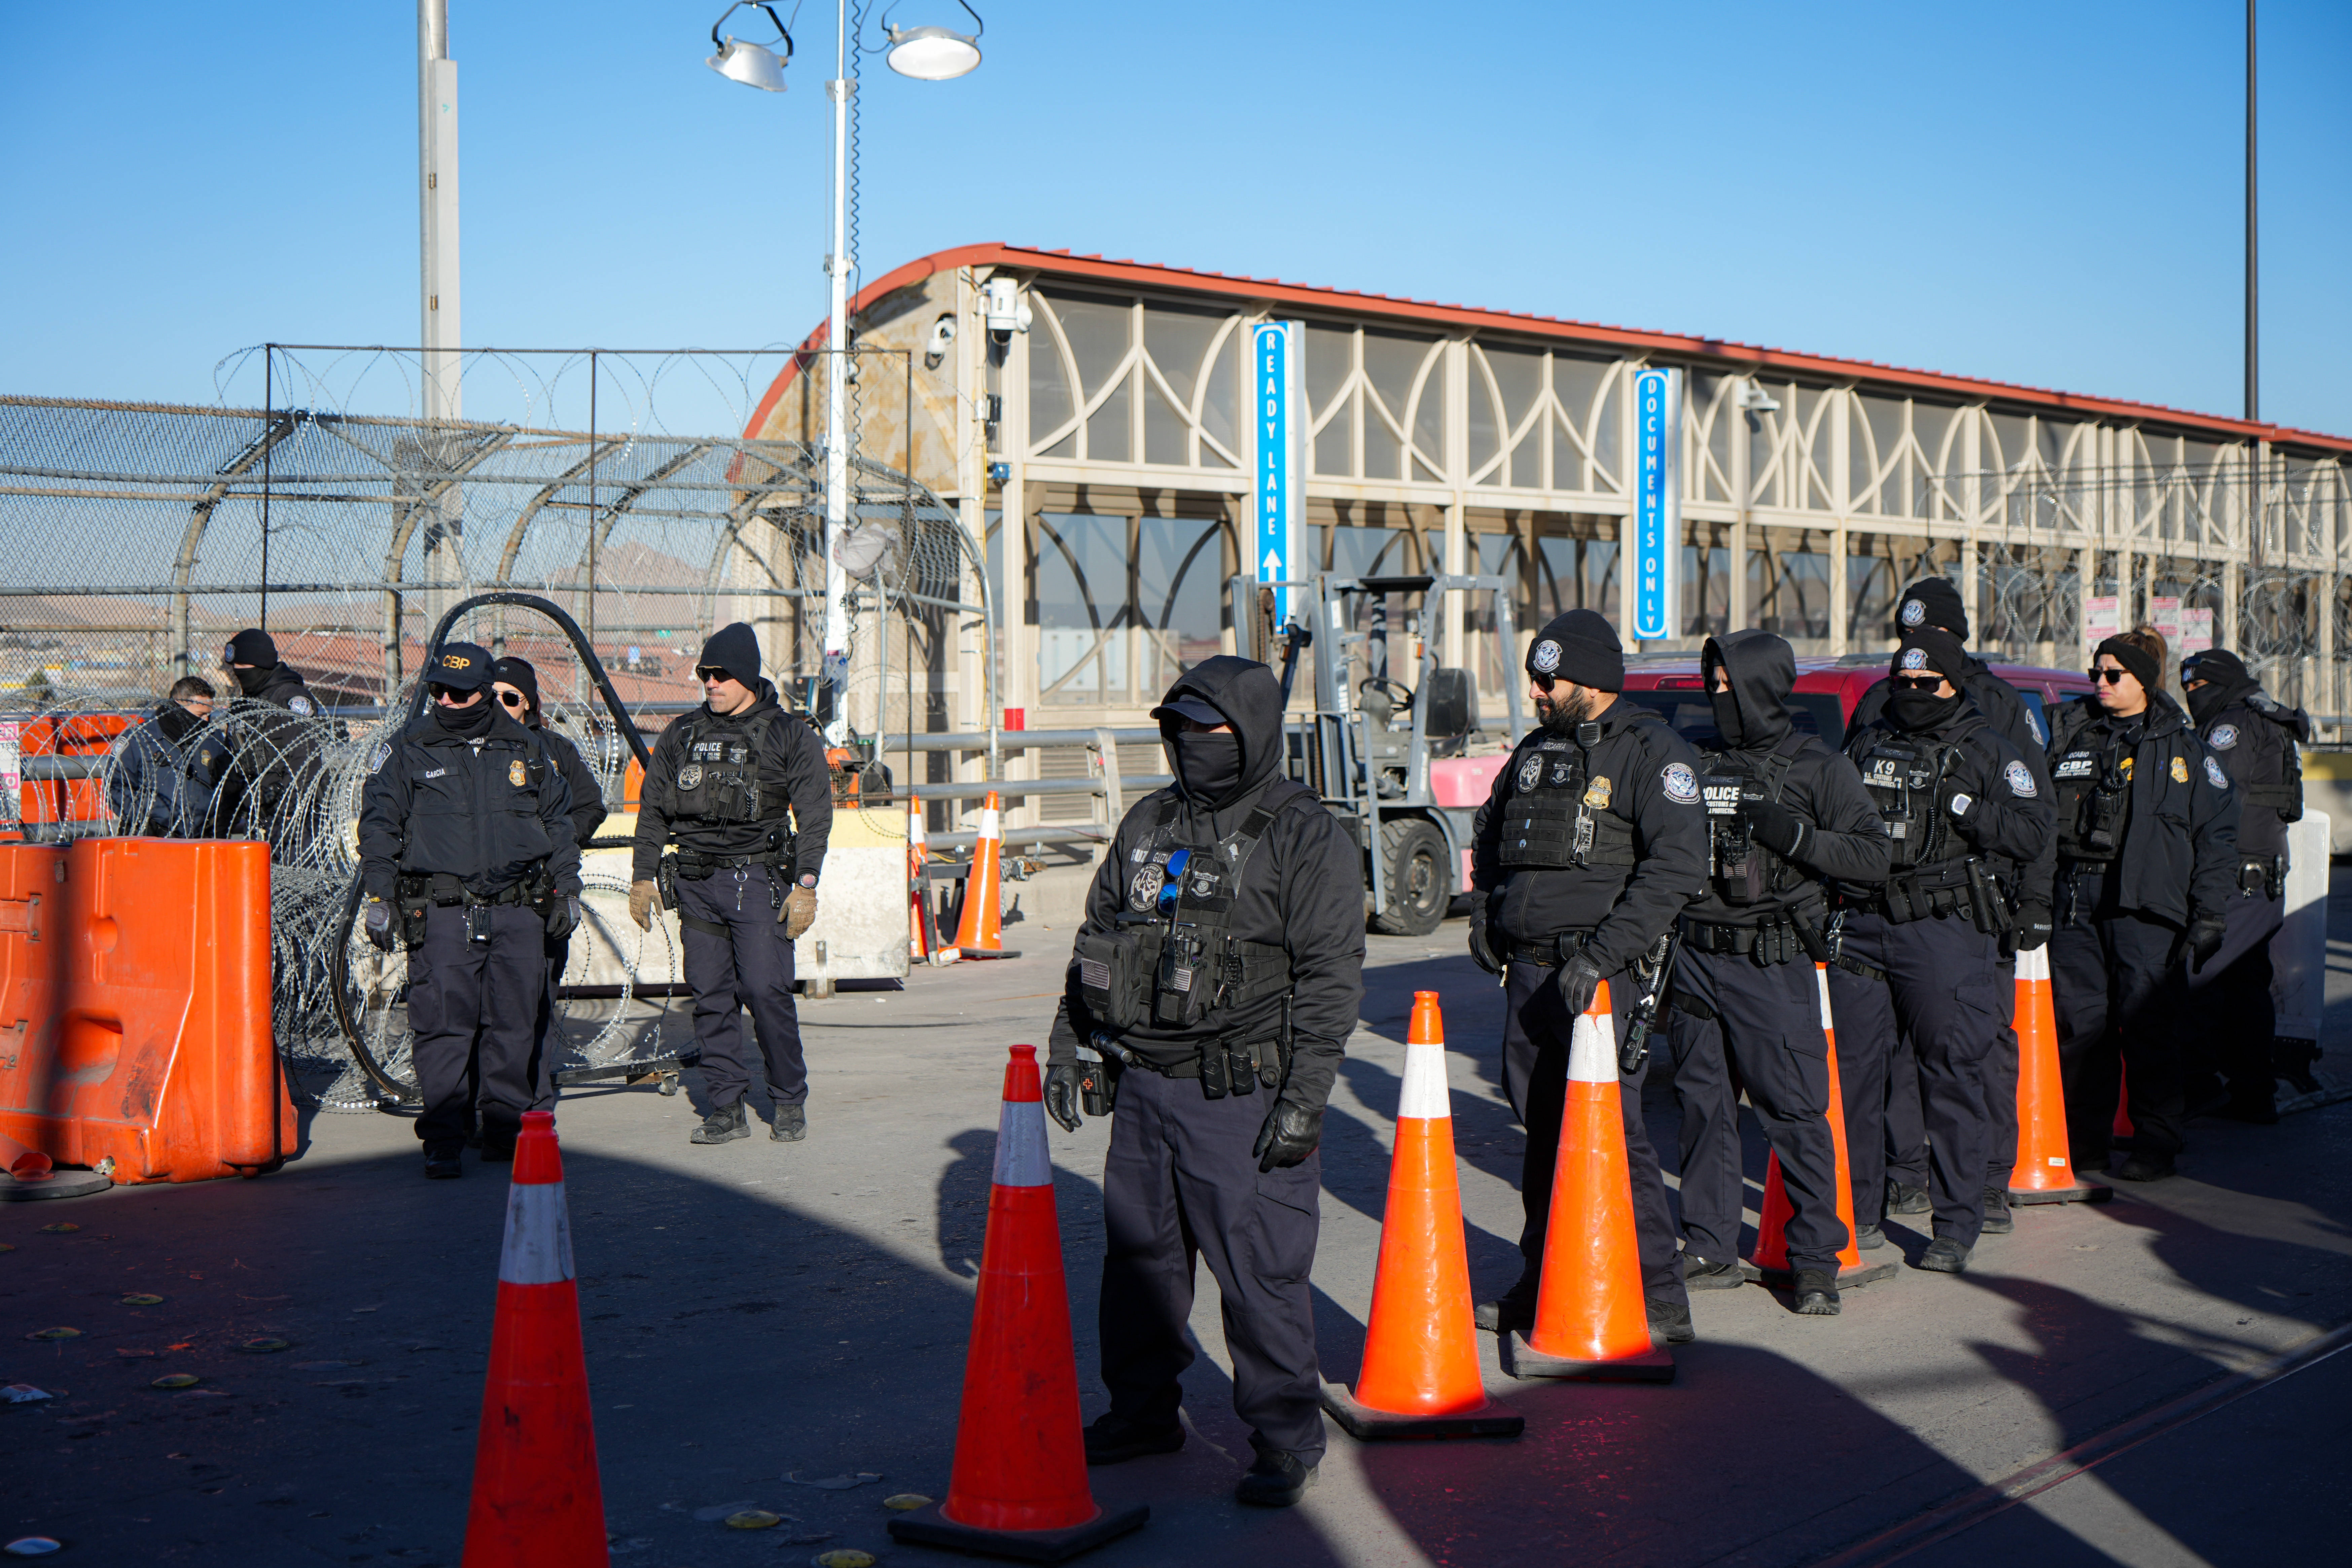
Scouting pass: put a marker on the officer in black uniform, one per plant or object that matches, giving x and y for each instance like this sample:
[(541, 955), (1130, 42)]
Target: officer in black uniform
[(1921, 954), (741, 787), (166, 770), (1783, 809), (276, 756), (1589, 847), (2148, 857), (1934, 602), (467, 854), (1215, 980), (2231, 1018), (515, 684)]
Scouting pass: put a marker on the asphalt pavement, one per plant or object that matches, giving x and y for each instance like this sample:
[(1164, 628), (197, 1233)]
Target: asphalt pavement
[(760, 1317)]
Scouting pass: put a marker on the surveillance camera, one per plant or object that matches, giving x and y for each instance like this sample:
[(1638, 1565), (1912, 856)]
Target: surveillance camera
[(1754, 399), (935, 349), (1006, 311)]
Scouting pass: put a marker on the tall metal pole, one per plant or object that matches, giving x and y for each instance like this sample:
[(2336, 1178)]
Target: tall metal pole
[(2253, 275), (436, 190), (839, 265)]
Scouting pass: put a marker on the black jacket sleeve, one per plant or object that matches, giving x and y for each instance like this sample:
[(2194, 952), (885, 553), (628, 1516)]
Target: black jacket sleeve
[(1670, 851), (1321, 894), (384, 824), (1866, 707), (810, 783), (555, 815), (588, 811), (2004, 706), (2001, 818), (2213, 810), (654, 803), (1845, 837), (1486, 831)]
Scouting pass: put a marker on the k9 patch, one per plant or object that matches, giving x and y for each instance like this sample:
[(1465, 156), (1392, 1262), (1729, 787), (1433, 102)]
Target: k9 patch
[(2214, 775), (2020, 780), (1682, 784)]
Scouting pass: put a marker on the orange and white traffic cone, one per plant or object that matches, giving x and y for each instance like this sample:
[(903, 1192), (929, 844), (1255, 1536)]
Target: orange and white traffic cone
[(919, 935), (537, 1501), (2123, 1128), (1018, 1487), (1770, 1261), (1420, 1376), (1591, 1319), (2045, 1164), (978, 929)]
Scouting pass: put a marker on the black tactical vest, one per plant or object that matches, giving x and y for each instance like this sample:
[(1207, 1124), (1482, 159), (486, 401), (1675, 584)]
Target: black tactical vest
[(1744, 871), (1910, 783), (723, 776), (2093, 789), (1556, 818)]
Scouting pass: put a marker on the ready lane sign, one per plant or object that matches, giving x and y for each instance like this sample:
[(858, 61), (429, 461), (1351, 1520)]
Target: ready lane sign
[(1658, 505), (1278, 348)]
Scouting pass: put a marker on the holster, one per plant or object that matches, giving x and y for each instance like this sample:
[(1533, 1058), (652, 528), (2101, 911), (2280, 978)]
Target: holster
[(666, 881), (1986, 905)]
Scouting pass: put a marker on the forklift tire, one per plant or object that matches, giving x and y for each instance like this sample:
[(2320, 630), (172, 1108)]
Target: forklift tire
[(1419, 888)]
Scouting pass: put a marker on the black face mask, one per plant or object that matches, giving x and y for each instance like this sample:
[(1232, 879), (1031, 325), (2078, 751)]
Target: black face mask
[(251, 681), (1208, 765), (1914, 710), (466, 721), (2209, 700), (1727, 716)]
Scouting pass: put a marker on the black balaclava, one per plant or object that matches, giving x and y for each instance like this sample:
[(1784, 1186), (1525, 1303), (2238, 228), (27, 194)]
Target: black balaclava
[(1725, 703), (176, 721), (249, 682), (1927, 648), (1208, 765), (470, 723), (2226, 681)]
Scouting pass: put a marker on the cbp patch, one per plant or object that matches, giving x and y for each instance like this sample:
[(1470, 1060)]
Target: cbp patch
[(2180, 770), (1682, 784), (690, 776), (1546, 657), (1913, 612), (2223, 737), (2020, 780), (2214, 775), (1914, 657), (301, 705), (1530, 772), (514, 773)]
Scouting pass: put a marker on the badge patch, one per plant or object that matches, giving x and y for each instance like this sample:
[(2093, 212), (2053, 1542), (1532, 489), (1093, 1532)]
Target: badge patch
[(2180, 770), (2223, 737), (1562, 772), (1682, 784), (515, 773), (1596, 794), (1529, 771), (737, 754), (2020, 780), (1144, 891), (2214, 775), (376, 758), (1913, 612), (689, 777), (1546, 657), (1915, 659), (301, 705)]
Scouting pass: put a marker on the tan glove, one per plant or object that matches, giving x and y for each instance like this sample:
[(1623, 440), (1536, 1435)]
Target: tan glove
[(641, 904), (799, 913)]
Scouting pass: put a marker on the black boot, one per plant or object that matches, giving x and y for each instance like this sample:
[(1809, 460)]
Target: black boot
[(1114, 1439), (1701, 1273), (723, 1125), (1670, 1321), (1903, 1198), (1278, 1479), (1944, 1255), (2144, 1168), (1997, 1220), (791, 1124), (441, 1162), (1513, 1309), (1816, 1293)]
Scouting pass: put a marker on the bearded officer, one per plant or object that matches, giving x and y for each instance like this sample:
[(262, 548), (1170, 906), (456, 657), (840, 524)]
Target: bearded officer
[(1920, 954), (1784, 809), (1606, 843), (467, 854), (742, 788), (1217, 976), (2231, 1015)]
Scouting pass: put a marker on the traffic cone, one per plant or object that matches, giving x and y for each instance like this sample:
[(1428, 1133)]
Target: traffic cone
[(1420, 1376), (920, 938), (1770, 1261), (2124, 1128), (1018, 1487), (979, 931), (1591, 1319), (537, 1501), (2045, 1166)]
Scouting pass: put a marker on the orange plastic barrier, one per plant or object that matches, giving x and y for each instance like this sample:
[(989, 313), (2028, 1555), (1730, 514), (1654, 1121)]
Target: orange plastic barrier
[(72, 735), (134, 1008)]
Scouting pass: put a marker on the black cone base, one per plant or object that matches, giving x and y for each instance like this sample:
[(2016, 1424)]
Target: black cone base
[(2080, 1193), (1522, 1360), (1366, 1425), (1847, 1279), (59, 1184), (926, 1526)]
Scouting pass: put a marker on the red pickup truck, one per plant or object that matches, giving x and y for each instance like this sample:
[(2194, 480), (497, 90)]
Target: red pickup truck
[(1827, 691)]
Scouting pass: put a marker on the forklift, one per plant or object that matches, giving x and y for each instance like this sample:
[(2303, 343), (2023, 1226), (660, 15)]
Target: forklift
[(1405, 767)]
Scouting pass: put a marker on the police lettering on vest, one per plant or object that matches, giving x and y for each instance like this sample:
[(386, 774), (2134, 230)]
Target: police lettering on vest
[(727, 776), (1744, 871)]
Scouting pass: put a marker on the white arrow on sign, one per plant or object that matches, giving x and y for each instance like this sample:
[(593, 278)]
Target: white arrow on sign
[(1271, 565)]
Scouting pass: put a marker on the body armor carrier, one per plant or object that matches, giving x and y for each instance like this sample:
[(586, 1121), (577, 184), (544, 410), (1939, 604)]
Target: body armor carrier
[(720, 775), (1557, 818), (1930, 872), (2094, 790), (1744, 871)]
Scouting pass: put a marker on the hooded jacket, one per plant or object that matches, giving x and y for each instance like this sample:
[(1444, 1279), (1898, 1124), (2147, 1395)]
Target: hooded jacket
[(789, 750), (2180, 856), (2255, 741), (1303, 889), (276, 733), (1845, 837)]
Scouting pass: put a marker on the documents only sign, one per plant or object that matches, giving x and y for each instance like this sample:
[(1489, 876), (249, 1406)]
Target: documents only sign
[(1658, 502), (1278, 352)]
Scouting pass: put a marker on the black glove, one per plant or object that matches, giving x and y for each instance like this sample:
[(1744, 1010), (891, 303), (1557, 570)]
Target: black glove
[(2032, 926), (1289, 1135), (1579, 982), (1775, 827), (562, 917), (1482, 952), (1062, 1095), (2206, 934), (378, 922)]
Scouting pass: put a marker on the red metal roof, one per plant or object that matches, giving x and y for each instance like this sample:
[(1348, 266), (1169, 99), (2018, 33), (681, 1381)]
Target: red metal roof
[(1735, 358)]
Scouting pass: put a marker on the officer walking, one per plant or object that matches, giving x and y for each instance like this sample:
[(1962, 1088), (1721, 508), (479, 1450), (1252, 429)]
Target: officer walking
[(1921, 953), (166, 769), (515, 683), (741, 788), (2148, 857), (467, 855), (2231, 1019), (1934, 602), (1215, 980), (1588, 847), (1783, 809), (276, 754)]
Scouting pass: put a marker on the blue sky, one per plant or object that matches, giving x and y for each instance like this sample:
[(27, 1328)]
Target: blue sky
[(2042, 192)]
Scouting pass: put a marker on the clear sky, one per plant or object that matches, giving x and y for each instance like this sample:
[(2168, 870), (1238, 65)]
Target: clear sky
[(2047, 193)]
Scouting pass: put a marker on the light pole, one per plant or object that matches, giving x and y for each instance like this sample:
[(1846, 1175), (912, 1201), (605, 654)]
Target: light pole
[(436, 301), (927, 54)]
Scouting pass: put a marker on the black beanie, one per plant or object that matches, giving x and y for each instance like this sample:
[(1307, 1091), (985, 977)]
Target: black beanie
[(1931, 649), (2138, 661), (1933, 602), (2217, 665), (1581, 646), (252, 646), (735, 648), (519, 674)]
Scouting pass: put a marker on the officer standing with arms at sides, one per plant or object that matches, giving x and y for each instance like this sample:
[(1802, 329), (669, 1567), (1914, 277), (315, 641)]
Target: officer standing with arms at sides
[(2231, 1017), (467, 855), (515, 684), (1921, 953), (166, 769), (2148, 858), (1216, 978), (1934, 602), (1783, 809), (275, 754), (1589, 847), (741, 787)]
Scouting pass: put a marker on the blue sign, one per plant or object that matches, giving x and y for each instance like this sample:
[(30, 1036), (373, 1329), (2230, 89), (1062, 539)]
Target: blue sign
[(1280, 419), (1658, 502)]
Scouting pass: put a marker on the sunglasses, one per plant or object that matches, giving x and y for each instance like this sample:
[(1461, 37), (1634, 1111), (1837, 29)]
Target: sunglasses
[(2112, 676), (1917, 682), (514, 699), (1543, 683), (441, 693), (711, 672)]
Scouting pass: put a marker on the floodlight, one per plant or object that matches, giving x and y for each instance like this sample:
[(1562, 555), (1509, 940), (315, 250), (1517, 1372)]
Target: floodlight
[(753, 65), (934, 54)]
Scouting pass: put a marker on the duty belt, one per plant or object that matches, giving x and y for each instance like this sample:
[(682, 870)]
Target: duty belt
[(1551, 952), (2262, 874), (696, 867), (1768, 943), (442, 888)]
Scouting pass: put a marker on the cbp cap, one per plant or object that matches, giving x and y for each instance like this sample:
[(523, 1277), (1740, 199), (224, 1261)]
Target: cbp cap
[(461, 666)]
